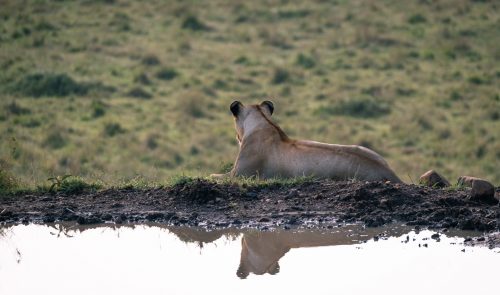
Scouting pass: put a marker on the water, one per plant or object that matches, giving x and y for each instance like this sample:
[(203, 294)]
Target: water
[(142, 259)]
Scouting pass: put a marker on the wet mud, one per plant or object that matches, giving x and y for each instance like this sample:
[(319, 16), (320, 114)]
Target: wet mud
[(320, 204)]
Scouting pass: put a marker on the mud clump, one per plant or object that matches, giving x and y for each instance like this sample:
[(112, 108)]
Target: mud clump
[(198, 191)]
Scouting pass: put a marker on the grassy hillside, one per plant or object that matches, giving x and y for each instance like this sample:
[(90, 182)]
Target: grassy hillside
[(112, 90)]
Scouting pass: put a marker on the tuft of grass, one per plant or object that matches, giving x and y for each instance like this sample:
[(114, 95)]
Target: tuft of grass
[(112, 129), (69, 184), (298, 13), (245, 182), (417, 19), (276, 40), (152, 141), (194, 24), (150, 60), (142, 79), (121, 22), (181, 179), (98, 109), (137, 182), (361, 107), (138, 92), (27, 122), (226, 167), (265, 183), (280, 76), (8, 182), (242, 60), (55, 140), (15, 109), (167, 74), (44, 25), (305, 61), (477, 80)]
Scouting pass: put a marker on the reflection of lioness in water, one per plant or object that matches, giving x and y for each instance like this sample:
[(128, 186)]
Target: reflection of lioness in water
[(261, 251), (266, 152)]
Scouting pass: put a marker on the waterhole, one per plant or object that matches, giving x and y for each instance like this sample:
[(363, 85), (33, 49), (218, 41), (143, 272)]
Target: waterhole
[(155, 259)]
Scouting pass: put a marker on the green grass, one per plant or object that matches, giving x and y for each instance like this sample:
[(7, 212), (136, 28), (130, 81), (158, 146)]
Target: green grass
[(113, 89), (72, 185), (8, 182)]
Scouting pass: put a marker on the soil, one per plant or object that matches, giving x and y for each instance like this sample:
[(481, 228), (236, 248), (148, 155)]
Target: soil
[(310, 204)]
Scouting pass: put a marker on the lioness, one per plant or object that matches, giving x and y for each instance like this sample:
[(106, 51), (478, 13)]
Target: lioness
[(267, 152)]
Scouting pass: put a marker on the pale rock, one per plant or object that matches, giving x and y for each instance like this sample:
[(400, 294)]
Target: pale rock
[(433, 179), (480, 189)]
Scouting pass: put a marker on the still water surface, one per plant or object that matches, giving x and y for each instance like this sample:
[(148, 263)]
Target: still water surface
[(152, 259)]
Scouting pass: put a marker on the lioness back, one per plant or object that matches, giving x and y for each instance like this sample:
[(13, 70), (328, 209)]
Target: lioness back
[(342, 162)]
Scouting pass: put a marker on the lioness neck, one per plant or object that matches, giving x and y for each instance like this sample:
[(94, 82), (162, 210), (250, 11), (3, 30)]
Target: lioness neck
[(258, 122)]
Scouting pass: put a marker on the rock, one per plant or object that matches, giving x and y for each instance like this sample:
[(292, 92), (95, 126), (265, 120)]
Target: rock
[(433, 179), (293, 193), (480, 189)]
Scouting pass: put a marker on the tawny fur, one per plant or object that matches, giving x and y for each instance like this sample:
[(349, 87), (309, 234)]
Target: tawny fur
[(267, 152)]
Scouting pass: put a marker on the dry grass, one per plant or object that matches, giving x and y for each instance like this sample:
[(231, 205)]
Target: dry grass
[(431, 68)]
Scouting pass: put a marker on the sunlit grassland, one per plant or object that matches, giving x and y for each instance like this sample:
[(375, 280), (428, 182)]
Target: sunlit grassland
[(416, 81)]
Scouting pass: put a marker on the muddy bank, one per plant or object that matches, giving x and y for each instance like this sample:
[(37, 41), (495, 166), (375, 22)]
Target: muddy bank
[(314, 203)]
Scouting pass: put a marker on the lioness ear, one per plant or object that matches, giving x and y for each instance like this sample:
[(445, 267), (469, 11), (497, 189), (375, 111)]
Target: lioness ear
[(235, 108), (269, 105)]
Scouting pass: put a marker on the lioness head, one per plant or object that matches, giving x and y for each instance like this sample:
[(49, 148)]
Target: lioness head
[(246, 117)]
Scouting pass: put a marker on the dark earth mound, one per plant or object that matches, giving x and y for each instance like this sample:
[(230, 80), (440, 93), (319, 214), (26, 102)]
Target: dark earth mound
[(313, 203)]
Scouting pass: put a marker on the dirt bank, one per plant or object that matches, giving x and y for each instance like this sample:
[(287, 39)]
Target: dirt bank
[(313, 203)]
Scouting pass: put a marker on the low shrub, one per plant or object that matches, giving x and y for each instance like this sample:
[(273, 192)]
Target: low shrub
[(142, 79), (121, 22), (167, 74), (194, 24), (44, 25), (54, 140), (150, 60), (138, 92), (112, 129), (50, 84), (27, 122), (357, 107), (299, 13), (242, 60), (307, 62), (280, 76), (417, 19), (152, 141), (477, 80), (15, 109), (7, 181), (98, 109)]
